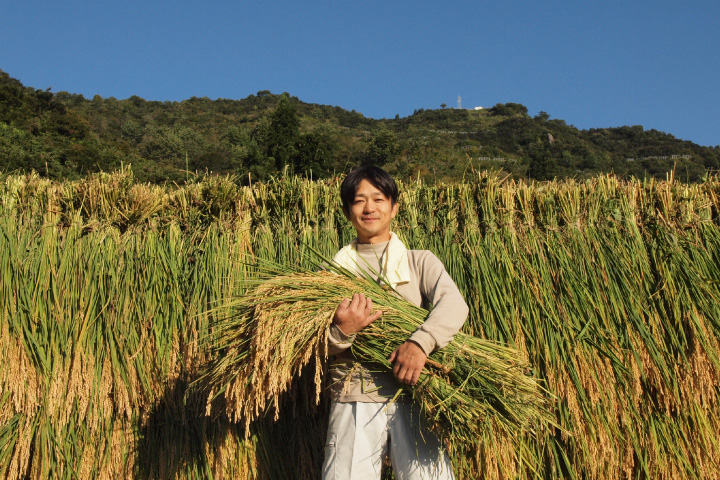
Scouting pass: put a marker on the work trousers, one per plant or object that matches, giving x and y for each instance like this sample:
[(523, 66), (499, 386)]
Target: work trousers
[(360, 436)]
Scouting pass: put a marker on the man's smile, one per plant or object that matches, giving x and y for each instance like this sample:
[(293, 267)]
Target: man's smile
[(371, 212)]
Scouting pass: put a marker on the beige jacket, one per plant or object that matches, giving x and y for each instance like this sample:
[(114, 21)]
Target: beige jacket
[(426, 284)]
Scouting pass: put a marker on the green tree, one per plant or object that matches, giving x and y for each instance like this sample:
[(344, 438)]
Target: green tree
[(163, 144), (282, 134), (509, 109), (542, 164), (132, 131), (542, 116), (382, 147), (316, 153)]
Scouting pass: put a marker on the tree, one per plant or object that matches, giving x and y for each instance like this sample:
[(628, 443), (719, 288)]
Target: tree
[(542, 116), (162, 145), (382, 147), (282, 134), (542, 164), (509, 109), (316, 154)]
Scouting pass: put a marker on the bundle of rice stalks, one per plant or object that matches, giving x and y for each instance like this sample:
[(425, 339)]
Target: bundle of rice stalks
[(280, 326)]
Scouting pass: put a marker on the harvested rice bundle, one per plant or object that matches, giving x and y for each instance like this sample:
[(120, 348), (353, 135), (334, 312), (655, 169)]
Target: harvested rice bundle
[(281, 325)]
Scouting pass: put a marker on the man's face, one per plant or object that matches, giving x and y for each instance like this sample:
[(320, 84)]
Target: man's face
[(370, 213)]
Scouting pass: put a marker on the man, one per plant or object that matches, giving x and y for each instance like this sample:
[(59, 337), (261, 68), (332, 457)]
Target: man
[(365, 423)]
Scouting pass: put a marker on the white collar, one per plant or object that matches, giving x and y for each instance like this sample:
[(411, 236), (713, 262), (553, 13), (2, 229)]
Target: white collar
[(396, 263)]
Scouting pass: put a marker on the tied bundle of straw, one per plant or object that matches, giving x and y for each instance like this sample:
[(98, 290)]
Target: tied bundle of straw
[(470, 387)]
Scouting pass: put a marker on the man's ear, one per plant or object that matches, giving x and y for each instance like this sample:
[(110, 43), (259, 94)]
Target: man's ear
[(394, 210)]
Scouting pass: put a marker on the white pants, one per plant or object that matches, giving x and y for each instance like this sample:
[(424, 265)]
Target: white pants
[(360, 435)]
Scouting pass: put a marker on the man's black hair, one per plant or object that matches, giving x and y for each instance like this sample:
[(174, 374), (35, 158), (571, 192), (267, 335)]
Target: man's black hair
[(375, 175)]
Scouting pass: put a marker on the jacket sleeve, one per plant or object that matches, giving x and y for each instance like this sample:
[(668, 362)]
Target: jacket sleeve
[(338, 342), (449, 310)]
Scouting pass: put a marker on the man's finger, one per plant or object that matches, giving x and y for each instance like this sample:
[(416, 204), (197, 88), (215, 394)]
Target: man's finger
[(374, 317), (358, 301), (397, 371), (408, 376), (342, 308), (371, 318), (368, 306)]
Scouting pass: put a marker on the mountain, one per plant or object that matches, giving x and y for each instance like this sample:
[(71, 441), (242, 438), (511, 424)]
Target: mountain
[(65, 135)]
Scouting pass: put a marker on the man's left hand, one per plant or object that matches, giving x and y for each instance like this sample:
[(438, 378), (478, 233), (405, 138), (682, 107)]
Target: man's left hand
[(408, 361)]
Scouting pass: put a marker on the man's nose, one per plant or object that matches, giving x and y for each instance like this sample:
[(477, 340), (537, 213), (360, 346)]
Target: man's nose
[(369, 207)]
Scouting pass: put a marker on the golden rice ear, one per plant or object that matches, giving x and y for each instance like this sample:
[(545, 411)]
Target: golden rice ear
[(287, 319), (608, 286)]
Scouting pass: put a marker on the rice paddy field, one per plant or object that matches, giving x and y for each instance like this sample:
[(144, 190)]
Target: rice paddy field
[(110, 291)]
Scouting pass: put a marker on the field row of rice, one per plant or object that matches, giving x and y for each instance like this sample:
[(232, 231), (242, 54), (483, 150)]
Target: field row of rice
[(109, 291)]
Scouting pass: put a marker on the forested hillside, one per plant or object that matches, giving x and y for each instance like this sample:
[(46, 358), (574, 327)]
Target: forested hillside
[(65, 135)]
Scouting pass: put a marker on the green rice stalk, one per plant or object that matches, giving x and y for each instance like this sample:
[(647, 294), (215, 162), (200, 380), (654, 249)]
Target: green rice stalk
[(281, 324)]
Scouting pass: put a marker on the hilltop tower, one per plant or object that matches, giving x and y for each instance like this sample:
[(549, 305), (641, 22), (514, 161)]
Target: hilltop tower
[(459, 103)]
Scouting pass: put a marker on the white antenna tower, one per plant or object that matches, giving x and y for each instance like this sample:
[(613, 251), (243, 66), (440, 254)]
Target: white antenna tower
[(459, 103)]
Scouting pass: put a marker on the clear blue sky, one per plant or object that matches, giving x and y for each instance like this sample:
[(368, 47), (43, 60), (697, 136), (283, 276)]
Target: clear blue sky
[(592, 64)]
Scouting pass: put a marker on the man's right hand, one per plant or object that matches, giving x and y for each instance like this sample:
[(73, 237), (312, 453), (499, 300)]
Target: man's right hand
[(353, 315)]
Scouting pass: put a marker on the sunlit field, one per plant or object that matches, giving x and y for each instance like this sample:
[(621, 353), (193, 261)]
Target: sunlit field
[(111, 290)]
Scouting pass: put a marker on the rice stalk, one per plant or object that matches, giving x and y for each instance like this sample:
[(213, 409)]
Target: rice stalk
[(470, 388)]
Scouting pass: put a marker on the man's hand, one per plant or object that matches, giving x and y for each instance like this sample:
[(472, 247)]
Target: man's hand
[(353, 316), (408, 361)]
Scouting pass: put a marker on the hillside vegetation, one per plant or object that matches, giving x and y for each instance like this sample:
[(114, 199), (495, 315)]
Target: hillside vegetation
[(67, 136)]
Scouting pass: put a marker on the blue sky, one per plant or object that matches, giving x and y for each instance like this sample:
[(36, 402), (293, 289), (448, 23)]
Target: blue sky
[(592, 64)]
